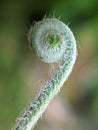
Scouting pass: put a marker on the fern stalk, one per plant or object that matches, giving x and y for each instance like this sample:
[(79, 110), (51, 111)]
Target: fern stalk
[(51, 40)]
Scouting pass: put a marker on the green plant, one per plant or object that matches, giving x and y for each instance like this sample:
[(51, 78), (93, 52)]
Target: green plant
[(51, 40)]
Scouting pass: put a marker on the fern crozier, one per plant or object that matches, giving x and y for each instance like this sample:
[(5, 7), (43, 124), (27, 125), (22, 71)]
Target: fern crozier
[(51, 40)]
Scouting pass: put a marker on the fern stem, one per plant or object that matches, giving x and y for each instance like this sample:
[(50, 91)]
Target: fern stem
[(51, 40)]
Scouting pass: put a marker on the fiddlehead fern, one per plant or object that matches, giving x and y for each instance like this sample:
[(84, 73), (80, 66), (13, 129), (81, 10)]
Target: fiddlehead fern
[(51, 40)]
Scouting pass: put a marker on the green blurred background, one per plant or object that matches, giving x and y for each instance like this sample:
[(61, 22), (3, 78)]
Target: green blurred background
[(22, 74)]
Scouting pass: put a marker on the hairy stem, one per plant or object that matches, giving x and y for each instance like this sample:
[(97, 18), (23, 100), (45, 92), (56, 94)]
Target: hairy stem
[(55, 40)]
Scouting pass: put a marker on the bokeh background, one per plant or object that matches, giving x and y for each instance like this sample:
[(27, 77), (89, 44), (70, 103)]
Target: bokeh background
[(22, 74)]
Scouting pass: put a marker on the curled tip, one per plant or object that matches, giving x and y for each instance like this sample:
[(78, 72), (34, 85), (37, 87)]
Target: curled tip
[(48, 38)]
